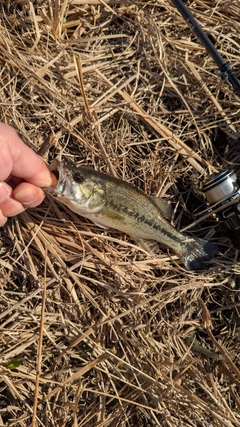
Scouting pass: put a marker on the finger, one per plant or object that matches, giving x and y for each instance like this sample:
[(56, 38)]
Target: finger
[(18, 159), (3, 219), (28, 194), (5, 191), (11, 207)]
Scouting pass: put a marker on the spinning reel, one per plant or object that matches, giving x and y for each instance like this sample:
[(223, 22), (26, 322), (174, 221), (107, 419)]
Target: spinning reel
[(222, 191), (223, 195)]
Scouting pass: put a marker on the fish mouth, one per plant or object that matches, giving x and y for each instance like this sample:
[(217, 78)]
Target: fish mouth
[(59, 170), (54, 168)]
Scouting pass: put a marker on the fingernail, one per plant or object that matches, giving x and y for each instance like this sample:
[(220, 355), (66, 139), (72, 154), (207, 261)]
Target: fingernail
[(25, 197), (4, 192)]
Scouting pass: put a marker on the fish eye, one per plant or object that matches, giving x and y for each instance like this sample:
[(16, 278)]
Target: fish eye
[(78, 177)]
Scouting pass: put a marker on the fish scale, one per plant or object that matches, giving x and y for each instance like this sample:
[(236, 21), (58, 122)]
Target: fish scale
[(113, 203), (143, 219)]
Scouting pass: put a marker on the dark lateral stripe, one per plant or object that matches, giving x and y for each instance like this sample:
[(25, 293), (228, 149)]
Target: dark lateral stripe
[(142, 219)]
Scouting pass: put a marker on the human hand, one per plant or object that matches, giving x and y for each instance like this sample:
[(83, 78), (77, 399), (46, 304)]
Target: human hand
[(22, 173)]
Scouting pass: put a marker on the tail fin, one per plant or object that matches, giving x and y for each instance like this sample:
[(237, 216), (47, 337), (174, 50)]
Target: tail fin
[(196, 252)]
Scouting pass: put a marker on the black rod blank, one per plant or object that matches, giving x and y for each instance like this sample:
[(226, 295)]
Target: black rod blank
[(225, 69)]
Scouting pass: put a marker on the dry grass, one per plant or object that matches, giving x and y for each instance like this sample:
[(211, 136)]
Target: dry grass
[(125, 339)]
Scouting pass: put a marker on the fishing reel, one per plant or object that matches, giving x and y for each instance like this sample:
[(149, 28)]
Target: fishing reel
[(222, 192)]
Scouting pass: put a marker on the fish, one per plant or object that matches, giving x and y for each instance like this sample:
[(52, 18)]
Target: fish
[(113, 203)]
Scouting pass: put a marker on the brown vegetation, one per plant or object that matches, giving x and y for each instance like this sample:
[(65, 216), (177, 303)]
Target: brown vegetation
[(105, 334)]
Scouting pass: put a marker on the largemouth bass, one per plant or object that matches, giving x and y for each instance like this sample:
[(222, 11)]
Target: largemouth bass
[(111, 202)]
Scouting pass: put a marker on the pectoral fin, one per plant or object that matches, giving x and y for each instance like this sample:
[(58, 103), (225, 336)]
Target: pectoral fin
[(100, 225), (108, 218), (164, 206)]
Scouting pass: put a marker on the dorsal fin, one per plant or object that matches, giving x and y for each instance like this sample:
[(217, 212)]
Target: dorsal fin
[(164, 206)]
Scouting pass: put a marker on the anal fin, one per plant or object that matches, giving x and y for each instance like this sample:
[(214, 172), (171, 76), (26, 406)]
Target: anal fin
[(149, 246)]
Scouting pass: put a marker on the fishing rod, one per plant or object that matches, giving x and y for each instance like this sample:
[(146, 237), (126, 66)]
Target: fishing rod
[(225, 70), (222, 190)]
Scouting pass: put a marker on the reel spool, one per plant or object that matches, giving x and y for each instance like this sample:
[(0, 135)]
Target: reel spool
[(223, 192)]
